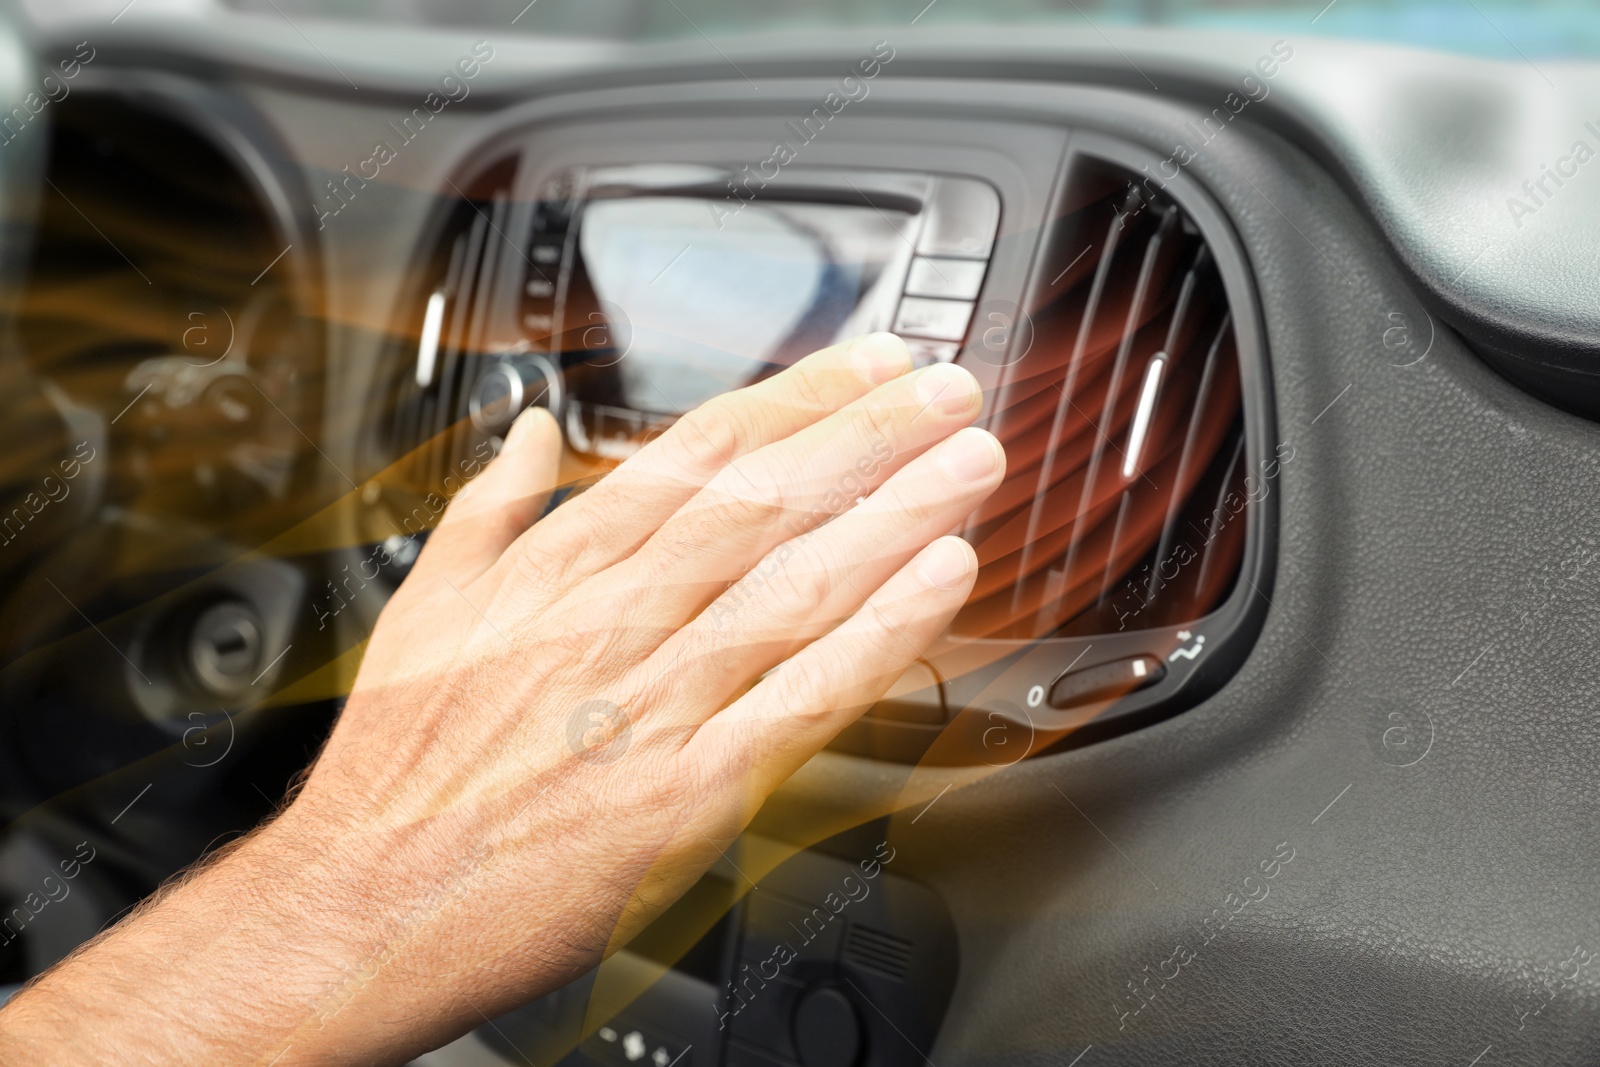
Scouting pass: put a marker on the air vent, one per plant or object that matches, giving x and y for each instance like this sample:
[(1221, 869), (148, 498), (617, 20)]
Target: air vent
[(1124, 563), (1124, 427), (878, 952), (471, 262)]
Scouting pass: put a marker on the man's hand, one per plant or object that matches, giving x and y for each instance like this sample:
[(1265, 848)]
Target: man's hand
[(558, 726)]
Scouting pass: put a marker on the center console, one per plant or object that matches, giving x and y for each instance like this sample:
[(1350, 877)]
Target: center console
[(625, 263), (651, 288), (621, 270)]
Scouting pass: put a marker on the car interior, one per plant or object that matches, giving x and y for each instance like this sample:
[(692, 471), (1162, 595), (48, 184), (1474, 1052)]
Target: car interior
[(1268, 734)]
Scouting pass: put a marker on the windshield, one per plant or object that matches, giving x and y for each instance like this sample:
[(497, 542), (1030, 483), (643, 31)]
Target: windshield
[(1551, 29)]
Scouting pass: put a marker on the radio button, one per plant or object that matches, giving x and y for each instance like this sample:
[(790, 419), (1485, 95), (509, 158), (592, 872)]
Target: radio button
[(927, 353), (956, 279), (962, 219), (943, 320)]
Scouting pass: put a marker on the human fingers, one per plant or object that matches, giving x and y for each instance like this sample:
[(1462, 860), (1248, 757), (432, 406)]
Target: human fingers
[(788, 716), (610, 520), (807, 586), (496, 507), (781, 491)]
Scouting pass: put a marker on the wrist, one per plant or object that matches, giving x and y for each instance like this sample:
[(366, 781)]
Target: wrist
[(234, 963), (382, 977)]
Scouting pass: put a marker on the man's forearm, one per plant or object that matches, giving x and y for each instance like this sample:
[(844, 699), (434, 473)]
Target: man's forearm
[(264, 955)]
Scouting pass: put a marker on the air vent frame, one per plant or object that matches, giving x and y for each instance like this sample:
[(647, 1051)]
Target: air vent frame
[(1000, 715)]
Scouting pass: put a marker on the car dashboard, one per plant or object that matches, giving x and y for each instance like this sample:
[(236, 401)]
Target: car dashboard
[(1267, 732)]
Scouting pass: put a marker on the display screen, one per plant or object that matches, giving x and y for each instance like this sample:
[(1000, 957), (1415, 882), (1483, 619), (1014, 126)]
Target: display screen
[(700, 296)]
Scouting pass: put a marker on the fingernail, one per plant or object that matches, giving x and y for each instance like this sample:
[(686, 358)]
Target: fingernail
[(969, 456), (947, 388), (946, 563), (880, 357)]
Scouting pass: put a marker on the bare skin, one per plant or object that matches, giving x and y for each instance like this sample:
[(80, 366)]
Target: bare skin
[(557, 726)]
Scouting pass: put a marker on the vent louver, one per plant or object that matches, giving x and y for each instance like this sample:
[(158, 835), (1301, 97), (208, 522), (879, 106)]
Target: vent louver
[(1124, 429), (878, 952), (472, 261)]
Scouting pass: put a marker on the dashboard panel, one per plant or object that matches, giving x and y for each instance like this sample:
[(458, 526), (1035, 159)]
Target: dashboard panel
[(1335, 727), (1116, 562)]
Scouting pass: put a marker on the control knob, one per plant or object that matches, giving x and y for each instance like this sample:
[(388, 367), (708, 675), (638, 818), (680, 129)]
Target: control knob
[(509, 387)]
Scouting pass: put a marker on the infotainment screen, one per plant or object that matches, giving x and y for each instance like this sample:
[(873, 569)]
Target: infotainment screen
[(706, 303)]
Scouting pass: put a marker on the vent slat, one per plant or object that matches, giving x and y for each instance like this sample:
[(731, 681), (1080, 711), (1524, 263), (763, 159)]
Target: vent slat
[(455, 388), (1066, 404), (878, 952), (415, 414), (489, 274), (1222, 495), (1180, 312), (1109, 573), (466, 267), (1130, 329), (451, 356), (1186, 457)]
